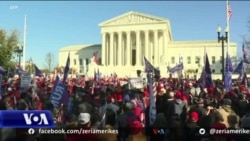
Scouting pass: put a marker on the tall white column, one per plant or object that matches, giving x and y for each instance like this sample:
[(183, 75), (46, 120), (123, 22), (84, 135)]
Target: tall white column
[(107, 50), (120, 48), (111, 45), (128, 59), (123, 50), (115, 49), (156, 48), (164, 44), (146, 46), (138, 51), (104, 49)]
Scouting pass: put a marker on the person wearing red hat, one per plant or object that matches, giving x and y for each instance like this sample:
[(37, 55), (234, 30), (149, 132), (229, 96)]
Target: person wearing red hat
[(199, 107), (191, 126), (119, 97), (177, 107), (135, 128), (243, 89), (123, 121), (193, 118)]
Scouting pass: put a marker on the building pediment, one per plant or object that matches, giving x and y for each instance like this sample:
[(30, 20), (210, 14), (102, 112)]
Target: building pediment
[(133, 18)]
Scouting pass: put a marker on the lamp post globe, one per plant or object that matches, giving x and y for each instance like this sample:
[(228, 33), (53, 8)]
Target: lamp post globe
[(19, 52)]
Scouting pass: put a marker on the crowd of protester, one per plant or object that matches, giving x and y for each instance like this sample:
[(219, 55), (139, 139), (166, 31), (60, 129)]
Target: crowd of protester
[(182, 107)]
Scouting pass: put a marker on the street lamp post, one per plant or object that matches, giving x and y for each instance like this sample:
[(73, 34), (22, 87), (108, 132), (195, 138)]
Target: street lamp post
[(222, 39), (19, 51)]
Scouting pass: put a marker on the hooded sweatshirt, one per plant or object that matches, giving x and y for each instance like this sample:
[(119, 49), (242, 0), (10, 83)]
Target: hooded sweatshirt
[(175, 108)]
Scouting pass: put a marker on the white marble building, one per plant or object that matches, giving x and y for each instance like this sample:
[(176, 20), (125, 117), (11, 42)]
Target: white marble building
[(129, 37)]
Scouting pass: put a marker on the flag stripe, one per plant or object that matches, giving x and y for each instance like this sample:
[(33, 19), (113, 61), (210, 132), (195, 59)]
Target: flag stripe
[(229, 12)]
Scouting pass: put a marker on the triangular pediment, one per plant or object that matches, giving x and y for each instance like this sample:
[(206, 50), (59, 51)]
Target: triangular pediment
[(133, 18)]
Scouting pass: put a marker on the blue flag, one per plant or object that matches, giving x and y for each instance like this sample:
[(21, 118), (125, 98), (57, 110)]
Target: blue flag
[(245, 80), (148, 68), (38, 72), (19, 70), (178, 67), (66, 69), (208, 74), (228, 74), (152, 105), (60, 94), (70, 106), (202, 79), (239, 70)]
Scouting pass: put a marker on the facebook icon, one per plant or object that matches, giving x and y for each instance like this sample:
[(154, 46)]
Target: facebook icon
[(26, 119)]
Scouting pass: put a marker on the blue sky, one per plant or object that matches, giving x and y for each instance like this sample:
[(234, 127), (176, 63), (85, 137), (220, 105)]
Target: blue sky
[(52, 25)]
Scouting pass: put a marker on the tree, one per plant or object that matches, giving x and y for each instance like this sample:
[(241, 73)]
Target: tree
[(8, 44), (50, 62), (246, 42), (247, 37)]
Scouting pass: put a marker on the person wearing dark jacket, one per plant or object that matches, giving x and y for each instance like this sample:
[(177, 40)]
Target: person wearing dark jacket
[(83, 123), (191, 126), (122, 121), (176, 107)]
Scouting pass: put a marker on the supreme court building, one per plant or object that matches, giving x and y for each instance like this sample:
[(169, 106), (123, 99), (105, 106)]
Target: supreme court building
[(127, 38)]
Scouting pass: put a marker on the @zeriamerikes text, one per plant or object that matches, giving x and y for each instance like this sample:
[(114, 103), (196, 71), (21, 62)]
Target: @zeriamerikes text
[(72, 131), (228, 131)]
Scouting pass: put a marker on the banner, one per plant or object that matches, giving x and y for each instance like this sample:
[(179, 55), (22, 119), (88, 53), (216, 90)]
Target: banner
[(59, 94), (25, 80), (135, 83), (123, 82)]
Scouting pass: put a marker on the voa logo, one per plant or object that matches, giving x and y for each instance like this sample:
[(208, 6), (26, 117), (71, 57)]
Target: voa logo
[(35, 119)]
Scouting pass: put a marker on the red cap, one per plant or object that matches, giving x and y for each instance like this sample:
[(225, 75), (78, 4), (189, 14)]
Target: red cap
[(194, 116), (178, 95), (135, 126), (210, 90), (243, 89), (119, 97)]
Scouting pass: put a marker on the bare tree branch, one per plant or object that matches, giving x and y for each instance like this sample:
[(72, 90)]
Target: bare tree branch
[(50, 61)]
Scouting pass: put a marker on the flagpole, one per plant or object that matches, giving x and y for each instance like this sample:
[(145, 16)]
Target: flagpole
[(24, 41), (228, 26)]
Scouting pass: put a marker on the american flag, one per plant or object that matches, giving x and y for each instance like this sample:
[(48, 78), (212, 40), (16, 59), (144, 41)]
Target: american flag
[(229, 12)]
